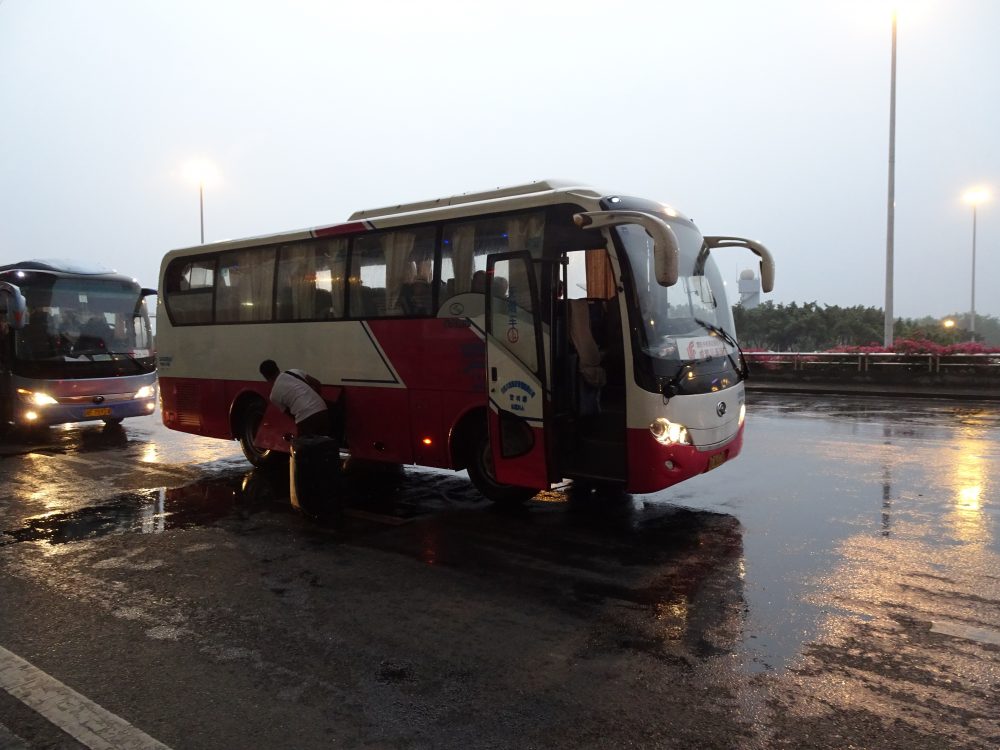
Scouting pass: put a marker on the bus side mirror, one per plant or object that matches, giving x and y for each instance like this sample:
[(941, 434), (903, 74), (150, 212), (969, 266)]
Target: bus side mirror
[(665, 247), (766, 260), (13, 305)]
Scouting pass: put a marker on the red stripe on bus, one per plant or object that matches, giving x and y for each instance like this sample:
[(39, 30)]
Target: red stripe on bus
[(338, 229)]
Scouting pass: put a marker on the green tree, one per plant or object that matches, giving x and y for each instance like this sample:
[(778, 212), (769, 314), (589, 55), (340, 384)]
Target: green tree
[(814, 327)]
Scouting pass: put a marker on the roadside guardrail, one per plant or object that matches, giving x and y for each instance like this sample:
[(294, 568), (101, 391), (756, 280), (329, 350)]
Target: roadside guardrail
[(947, 375)]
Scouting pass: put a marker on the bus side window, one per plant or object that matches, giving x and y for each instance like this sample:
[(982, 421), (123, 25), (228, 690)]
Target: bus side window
[(245, 284), (466, 246), (457, 246), (368, 273), (311, 279), (189, 292), (385, 264)]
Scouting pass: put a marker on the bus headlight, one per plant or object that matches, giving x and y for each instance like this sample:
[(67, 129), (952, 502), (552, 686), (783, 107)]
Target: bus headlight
[(669, 433), (743, 412), (36, 397), (147, 391)]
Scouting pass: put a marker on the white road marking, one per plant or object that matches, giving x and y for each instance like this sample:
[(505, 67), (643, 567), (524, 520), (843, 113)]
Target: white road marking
[(79, 717), (958, 630)]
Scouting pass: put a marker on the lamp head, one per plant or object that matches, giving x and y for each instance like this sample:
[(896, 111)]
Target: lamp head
[(975, 196)]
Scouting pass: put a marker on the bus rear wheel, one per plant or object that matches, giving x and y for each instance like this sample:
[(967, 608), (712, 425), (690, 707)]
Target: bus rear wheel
[(483, 475), (250, 418)]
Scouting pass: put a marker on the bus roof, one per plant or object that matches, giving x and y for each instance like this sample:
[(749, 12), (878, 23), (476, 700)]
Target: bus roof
[(500, 199), (68, 269), (59, 265), (513, 191)]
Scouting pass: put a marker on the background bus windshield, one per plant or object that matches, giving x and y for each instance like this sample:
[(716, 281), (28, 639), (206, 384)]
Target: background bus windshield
[(83, 328)]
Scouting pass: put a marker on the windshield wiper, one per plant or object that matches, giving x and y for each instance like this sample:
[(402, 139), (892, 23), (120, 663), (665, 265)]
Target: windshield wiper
[(670, 387), (741, 367)]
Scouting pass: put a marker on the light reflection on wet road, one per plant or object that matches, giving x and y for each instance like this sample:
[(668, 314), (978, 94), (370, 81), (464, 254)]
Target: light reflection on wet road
[(819, 474), (816, 573)]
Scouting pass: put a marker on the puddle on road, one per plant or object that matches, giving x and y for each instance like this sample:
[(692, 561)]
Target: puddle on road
[(380, 495), (145, 512)]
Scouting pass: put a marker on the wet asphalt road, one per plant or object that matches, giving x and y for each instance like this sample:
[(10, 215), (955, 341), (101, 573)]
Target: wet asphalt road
[(836, 586)]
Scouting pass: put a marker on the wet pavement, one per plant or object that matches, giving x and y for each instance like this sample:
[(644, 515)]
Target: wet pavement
[(836, 586)]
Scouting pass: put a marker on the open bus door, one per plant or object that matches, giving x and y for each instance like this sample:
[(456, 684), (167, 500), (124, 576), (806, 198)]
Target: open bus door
[(13, 317), (515, 372)]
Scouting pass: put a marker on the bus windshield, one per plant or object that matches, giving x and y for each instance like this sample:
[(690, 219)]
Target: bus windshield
[(83, 328), (689, 321)]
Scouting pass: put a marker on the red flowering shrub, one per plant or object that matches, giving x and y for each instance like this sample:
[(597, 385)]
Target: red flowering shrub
[(919, 346)]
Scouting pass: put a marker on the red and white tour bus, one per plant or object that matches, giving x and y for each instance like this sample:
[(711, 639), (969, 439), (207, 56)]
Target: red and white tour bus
[(529, 334)]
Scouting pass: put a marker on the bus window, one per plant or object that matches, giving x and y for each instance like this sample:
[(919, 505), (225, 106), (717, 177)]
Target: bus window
[(382, 266), (311, 280), (245, 284), (189, 290), (465, 246)]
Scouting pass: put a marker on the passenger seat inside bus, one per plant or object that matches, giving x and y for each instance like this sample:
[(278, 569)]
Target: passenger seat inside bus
[(415, 297)]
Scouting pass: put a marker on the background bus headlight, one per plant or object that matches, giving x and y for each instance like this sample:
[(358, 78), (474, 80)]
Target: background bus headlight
[(669, 433), (36, 397), (147, 391)]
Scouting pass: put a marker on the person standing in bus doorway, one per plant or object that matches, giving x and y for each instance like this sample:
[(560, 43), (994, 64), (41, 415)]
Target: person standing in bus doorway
[(297, 394)]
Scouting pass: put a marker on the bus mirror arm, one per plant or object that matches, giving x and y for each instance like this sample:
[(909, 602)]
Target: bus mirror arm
[(766, 260), (16, 309), (144, 292), (665, 247)]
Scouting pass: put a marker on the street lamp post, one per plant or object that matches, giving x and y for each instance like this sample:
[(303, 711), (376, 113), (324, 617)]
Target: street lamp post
[(201, 172), (975, 197), (201, 208), (891, 211)]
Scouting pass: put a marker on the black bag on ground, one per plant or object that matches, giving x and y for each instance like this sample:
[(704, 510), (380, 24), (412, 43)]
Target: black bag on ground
[(312, 474)]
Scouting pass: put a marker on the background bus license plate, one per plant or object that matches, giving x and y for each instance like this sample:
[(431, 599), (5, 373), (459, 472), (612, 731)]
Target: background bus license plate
[(102, 412), (715, 461)]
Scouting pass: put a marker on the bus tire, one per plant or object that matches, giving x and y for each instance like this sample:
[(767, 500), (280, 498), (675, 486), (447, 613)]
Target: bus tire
[(251, 415), (482, 474)]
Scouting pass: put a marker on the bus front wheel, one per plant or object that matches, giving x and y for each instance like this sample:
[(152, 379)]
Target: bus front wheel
[(483, 475), (250, 418)]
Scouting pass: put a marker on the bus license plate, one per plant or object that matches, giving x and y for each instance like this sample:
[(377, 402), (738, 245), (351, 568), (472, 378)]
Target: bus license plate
[(102, 412), (715, 461)]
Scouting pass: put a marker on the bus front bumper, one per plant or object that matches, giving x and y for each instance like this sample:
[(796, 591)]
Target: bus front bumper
[(653, 467), (112, 408)]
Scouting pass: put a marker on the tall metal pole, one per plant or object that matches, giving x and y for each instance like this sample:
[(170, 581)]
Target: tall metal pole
[(892, 193), (201, 209), (972, 318)]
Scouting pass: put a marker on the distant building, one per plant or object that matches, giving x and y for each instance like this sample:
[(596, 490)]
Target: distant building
[(749, 289)]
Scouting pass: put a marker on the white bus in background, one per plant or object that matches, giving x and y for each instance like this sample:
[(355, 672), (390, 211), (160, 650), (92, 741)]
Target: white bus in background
[(528, 334), (75, 345)]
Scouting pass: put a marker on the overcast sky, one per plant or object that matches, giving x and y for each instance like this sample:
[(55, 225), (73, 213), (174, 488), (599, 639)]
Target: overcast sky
[(765, 119)]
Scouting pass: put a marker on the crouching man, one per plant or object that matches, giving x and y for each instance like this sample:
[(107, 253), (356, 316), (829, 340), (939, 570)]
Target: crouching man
[(297, 394)]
